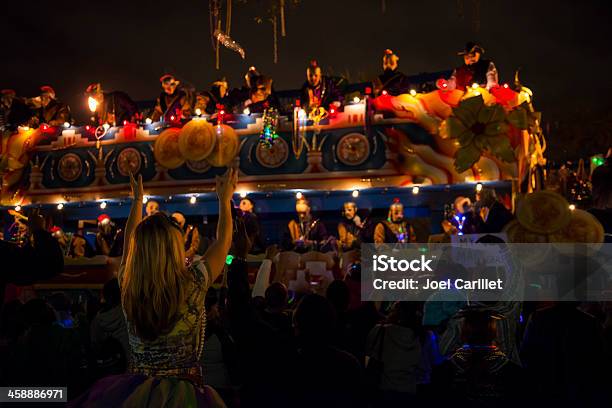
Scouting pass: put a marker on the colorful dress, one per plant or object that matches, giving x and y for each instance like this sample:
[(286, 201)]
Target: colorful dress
[(166, 371)]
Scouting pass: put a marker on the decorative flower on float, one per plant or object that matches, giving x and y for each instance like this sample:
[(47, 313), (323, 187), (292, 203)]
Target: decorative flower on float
[(480, 128)]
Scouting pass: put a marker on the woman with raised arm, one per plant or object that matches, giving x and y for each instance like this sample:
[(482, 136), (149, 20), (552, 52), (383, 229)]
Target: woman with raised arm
[(163, 302)]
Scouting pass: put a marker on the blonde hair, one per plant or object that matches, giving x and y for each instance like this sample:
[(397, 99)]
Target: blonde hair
[(155, 277)]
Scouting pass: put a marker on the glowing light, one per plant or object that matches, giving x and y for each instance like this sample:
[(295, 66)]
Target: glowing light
[(299, 195), (198, 111), (243, 194), (66, 124), (172, 117), (332, 110), (384, 92), (476, 93), (103, 205), (193, 199), (145, 199), (125, 122), (415, 190), (356, 99), (475, 85), (45, 127), (106, 126), (302, 114), (87, 127), (246, 111), (413, 92), (444, 85), (60, 206), (505, 85), (148, 121), (24, 128), (355, 193), (17, 208), (221, 112), (572, 207), (478, 187), (93, 104)]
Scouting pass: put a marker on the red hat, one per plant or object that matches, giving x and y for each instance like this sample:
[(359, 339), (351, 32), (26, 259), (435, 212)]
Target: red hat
[(103, 217), (8, 92), (55, 229), (165, 77), (47, 89)]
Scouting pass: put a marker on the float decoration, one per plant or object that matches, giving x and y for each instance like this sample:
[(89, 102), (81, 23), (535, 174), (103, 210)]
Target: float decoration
[(269, 134)]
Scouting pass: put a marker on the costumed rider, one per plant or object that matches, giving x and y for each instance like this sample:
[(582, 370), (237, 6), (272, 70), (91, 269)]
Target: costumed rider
[(113, 108), (238, 95), (392, 81), (319, 90), (464, 220), (48, 109), (349, 229), (252, 225), (207, 101), (307, 232), (475, 69), (395, 229), (173, 103), (261, 96), (13, 111), (109, 238), (191, 235)]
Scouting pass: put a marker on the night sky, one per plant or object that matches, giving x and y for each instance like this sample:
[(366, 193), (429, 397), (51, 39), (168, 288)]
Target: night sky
[(562, 46)]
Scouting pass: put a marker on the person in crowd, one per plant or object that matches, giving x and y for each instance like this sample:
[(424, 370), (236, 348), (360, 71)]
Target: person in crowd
[(113, 108), (39, 258), (163, 302), (478, 373), (13, 110), (109, 323), (109, 238), (563, 355), (464, 220), (400, 345), (349, 229), (47, 353), (392, 81), (151, 208), (220, 365), (207, 101), (275, 310), (252, 224), (395, 229), (307, 232), (494, 214), (173, 102), (49, 109), (601, 181), (338, 373), (475, 69), (190, 234), (319, 90)]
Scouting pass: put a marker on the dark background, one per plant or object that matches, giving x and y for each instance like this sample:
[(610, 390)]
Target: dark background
[(563, 48)]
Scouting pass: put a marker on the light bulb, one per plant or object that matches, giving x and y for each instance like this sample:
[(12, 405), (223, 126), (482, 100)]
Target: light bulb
[(148, 121), (478, 187), (415, 190), (103, 205), (356, 99), (66, 124), (572, 207), (193, 200), (355, 193), (60, 206), (413, 92), (198, 111), (475, 85), (243, 194), (246, 111), (17, 208), (299, 195)]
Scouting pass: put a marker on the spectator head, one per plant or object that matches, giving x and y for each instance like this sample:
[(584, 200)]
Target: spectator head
[(179, 217), (314, 320), (105, 224), (478, 327), (152, 208), (37, 312), (219, 87), (472, 53), (112, 293), (249, 77), (406, 314), (313, 73), (153, 288), (390, 60), (247, 205), (169, 83), (462, 205), (349, 210), (339, 295), (601, 180), (276, 296), (6, 97), (261, 89)]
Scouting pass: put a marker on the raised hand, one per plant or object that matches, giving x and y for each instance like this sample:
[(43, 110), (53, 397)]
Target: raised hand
[(136, 187), (226, 185)]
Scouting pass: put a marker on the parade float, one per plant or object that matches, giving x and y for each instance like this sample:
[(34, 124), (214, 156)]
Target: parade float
[(444, 137)]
